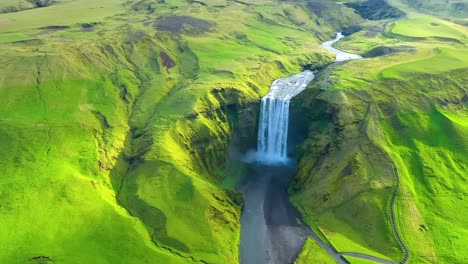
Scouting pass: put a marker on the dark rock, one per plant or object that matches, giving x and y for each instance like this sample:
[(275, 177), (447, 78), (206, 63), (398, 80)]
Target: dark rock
[(376, 10), (42, 3), (168, 62), (351, 30), (384, 50)]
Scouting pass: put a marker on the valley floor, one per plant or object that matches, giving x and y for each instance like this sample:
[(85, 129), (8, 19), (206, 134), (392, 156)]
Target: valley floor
[(117, 119)]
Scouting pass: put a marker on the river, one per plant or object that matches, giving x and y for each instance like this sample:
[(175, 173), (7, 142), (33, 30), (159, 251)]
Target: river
[(271, 228)]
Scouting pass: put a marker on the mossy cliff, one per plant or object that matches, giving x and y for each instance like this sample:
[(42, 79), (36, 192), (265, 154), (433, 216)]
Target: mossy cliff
[(116, 127), (388, 125), (383, 169), (100, 113), (117, 117)]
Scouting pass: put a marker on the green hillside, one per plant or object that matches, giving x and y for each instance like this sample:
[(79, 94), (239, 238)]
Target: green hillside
[(118, 117), (116, 120), (405, 110)]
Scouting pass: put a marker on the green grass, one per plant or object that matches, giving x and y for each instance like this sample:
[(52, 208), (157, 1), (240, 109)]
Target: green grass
[(109, 157), (14, 37), (115, 158), (432, 162), (354, 260), (312, 252), (363, 41), (442, 60), (422, 28), (361, 198), (58, 106), (410, 105), (14, 5), (62, 14), (426, 26), (450, 10), (429, 149), (57, 201)]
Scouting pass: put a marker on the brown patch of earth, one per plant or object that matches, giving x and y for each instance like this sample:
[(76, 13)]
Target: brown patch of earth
[(168, 62)]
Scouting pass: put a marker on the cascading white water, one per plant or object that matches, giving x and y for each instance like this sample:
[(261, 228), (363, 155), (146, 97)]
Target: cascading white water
[(274, 117), (265, 189), (273, 128), (272, 139)]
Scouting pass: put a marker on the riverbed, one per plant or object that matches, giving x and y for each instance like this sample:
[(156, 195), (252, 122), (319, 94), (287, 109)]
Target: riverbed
[(271, 231), (271, 228)]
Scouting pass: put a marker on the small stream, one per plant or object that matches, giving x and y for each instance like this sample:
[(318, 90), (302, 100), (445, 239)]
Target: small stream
[(271, 228), (340, 55)]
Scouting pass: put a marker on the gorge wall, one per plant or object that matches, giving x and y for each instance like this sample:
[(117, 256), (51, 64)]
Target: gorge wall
[(120, 129), (348, 164)]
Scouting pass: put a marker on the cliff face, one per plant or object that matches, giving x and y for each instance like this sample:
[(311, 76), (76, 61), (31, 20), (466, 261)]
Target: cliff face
[(117, 121), (119, 131), (366, 140), (345, 180)]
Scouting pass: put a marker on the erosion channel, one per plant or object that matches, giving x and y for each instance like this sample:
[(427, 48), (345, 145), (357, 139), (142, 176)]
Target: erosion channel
[(271, 227)]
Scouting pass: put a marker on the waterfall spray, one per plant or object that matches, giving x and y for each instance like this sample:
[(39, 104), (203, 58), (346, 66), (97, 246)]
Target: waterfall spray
[(272, 141)]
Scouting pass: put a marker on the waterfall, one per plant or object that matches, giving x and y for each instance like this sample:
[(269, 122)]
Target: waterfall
[(272, 141), (273, 128)]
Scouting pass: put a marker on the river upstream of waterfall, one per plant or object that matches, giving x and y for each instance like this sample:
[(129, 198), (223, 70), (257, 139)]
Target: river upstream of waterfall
[(271, 228)]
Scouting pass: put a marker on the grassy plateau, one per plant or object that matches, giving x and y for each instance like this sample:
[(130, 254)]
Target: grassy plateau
[(405, 106), (117, 118)]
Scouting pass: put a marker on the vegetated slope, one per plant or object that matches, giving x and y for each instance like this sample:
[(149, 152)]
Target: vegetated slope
[(312, 251), (376, 9), (451, 9), (407, 109), (115, 126), (19, 5)]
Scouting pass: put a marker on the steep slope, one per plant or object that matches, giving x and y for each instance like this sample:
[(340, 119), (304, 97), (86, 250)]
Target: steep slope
[(118, 115), (402, 110), (116, 123), (454, 10)]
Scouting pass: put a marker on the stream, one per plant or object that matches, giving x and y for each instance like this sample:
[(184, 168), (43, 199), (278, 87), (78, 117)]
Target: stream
[(271, 228)]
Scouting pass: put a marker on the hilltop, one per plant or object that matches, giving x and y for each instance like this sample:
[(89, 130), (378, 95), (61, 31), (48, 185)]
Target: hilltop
[(119, 117)]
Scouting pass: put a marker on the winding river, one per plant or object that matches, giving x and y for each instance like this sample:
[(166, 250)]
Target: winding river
[(271, 228)]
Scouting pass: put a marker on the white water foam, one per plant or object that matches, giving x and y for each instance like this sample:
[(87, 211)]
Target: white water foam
[(272, 138)]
